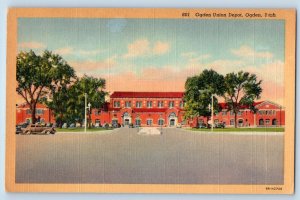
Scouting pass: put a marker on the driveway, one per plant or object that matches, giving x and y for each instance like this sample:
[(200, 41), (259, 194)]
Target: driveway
[(175, 157)]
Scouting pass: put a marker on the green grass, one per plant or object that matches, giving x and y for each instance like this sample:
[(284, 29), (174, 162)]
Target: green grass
[(81, 129), (261, 129)]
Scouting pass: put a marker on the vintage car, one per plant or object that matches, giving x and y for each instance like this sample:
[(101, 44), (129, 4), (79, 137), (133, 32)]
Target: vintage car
[(38, 129), (20, 127)]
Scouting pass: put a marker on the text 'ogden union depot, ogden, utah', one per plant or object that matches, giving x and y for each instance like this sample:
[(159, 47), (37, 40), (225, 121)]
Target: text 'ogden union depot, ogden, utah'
[(164, 109)]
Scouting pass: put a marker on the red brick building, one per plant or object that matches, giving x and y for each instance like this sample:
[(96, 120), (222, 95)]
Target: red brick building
[(166, 109), (23, 113), (163, 109), (268, 114), (142, 108)]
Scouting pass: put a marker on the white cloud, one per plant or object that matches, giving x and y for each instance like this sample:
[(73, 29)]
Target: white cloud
[(161, 48), (64, 51), (73, 51), (143, 47), (248, 52), (31, 45), (195, 57), (138, 48)]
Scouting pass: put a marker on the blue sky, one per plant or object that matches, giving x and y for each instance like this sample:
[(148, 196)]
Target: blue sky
[(146, 52)]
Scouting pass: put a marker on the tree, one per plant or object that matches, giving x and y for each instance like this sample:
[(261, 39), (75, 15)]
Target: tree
[(241, 89), (38, 75), (94, 88), (198, 92)]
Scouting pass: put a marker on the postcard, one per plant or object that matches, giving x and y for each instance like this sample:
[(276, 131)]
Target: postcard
[(150, 100)]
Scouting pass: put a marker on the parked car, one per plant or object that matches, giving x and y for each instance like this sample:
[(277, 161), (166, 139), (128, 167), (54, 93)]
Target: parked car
[(20, 127), (202, 126), (178, 125), (219, 125), (38, 129)]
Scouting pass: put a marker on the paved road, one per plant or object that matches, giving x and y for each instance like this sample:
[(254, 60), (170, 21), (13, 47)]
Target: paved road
[(175, 157)]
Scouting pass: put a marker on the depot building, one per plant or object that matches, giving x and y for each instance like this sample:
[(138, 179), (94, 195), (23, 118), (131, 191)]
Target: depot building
[(167, 109), (164, 109)]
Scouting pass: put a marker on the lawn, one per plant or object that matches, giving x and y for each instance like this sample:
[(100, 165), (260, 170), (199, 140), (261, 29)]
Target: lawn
[(261, 129), (81, 129)]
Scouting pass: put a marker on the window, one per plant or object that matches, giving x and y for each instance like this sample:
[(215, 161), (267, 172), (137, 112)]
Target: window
[(171, 104), (261, 122), (127, 104), (117, 104), (160, 104), (267, 121), (149, 122), (149, 104), (28, 111), (97, 112), (160, 122), (200, 121), (138, 104), (232, 122), (240, 113), (216, 121), (224, 112), (114, 121), (274, 122), (137, 122), (181, 104), (231, 112), (172, 115), (39, 111)]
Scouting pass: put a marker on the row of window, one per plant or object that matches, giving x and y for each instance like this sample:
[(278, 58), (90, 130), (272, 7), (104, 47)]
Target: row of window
[(37, 111), (267, 112), (261, 112), (241, 122), (149, 104)]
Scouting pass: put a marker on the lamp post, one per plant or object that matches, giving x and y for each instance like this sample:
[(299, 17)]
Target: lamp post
[(160, 123), (86, 107), (212, 113), (211, 107)]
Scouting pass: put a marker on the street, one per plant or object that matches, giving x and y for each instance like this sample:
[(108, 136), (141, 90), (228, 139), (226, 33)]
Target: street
[(177, 156)]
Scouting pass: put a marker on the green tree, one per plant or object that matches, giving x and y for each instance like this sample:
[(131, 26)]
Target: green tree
[(198, 92), (38, 75), (94, 88), (241, 89)]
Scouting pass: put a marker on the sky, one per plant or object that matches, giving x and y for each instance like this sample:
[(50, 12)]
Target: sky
[(159, 55)]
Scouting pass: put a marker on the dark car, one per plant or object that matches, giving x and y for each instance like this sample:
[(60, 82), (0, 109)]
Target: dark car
[(20, 127), (116, 125), (219, 125), (202, 126)]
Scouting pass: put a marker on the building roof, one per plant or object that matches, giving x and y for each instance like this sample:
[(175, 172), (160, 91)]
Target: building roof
[(225, 105), (147, 95)]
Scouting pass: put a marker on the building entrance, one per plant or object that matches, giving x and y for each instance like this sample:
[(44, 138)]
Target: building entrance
[(172, 119)]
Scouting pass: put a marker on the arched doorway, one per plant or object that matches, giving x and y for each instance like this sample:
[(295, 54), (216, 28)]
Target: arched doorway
[(172, 119), (126, 119), (274, 122), (240, 122), (261, 122)]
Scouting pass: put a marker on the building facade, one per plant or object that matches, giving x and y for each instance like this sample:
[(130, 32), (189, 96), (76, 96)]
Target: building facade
[(164, 109), (268, 114), (23, 113), (142, 109)]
